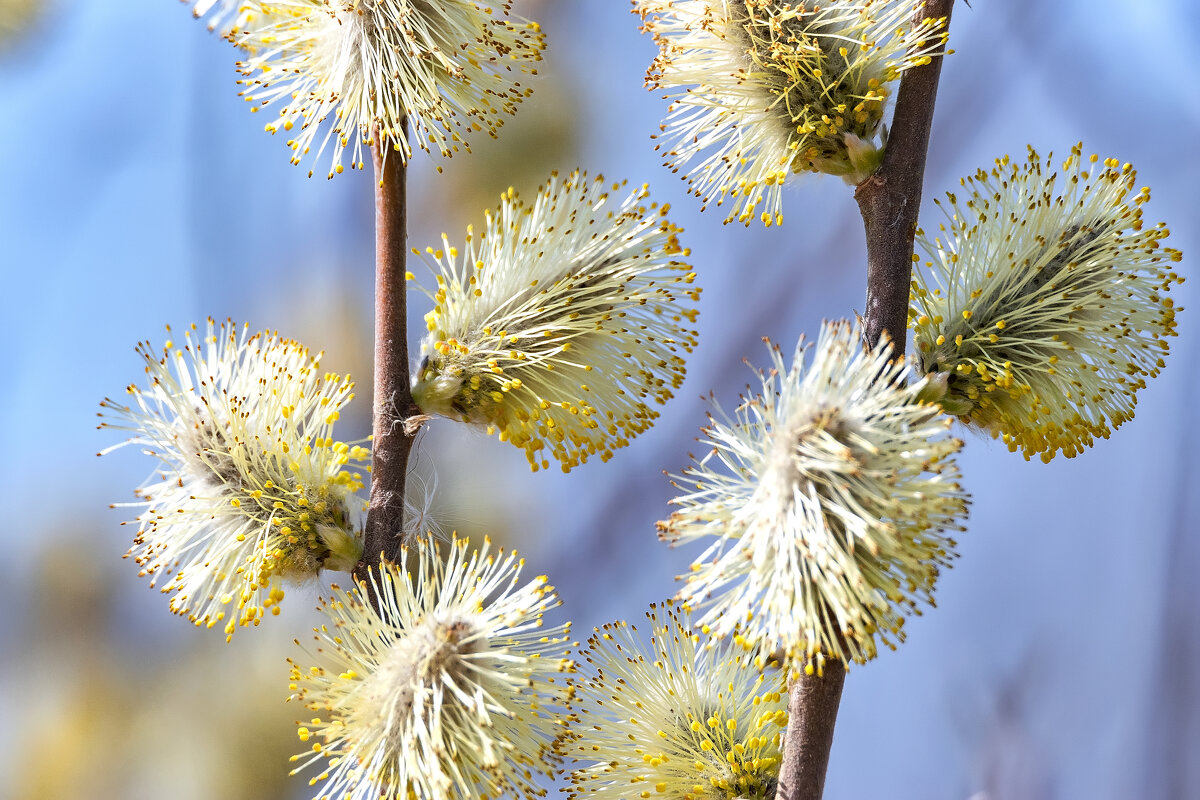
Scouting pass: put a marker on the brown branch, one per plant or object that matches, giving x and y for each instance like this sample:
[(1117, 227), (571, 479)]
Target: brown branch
[(891, 198), (889, 201), (812, 713), (393, 401)]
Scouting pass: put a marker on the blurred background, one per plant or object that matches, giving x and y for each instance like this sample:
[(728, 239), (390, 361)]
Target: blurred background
[(1063, 660)]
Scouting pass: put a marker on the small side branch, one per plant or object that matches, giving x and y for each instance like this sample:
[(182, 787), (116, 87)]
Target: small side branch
[(393, 402), (890, 201)]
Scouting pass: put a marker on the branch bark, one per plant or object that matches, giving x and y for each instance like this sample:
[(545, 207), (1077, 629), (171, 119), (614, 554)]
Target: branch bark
[(889, 201), (812, 713), (393, 401)]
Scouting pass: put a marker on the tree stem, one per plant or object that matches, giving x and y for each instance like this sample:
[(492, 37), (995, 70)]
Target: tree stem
[(393, 401), (812, 713), (889, 201)]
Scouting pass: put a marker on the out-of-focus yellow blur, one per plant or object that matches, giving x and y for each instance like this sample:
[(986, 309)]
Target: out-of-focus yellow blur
[(17, 18)]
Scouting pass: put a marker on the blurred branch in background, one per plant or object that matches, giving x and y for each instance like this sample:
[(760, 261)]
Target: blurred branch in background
[(1172, 728), (1006, 762)]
